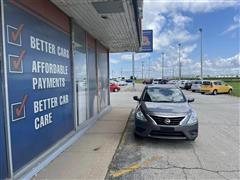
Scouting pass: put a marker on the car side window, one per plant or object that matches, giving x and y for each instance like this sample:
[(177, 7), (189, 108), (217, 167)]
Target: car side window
[(215, 83), (220, 83)]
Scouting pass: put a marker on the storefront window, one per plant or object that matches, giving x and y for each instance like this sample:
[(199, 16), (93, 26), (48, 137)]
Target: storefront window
[(103, 86), (80, 73), (92, 77)]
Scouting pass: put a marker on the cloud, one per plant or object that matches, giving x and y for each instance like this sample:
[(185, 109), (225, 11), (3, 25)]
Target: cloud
[(114, 61), (126, 57), (137, 56), (190, 67), (230, 62), (171, 55), (179, 20), (169, 21), (193, 6), (234, 26), (169, 26)]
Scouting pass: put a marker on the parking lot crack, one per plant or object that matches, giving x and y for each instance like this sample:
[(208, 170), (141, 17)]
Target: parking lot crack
[(192, 168), (185, 174), (222, 176), (196, 155)]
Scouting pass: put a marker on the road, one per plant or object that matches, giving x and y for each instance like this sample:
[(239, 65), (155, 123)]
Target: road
[(213, 155)]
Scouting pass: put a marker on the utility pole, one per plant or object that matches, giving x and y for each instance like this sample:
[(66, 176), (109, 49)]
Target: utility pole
[(149, 68), (142, 69), (173, 72), (162, 65), (201, 56), (179, 61), (133, 76), (112, 74)]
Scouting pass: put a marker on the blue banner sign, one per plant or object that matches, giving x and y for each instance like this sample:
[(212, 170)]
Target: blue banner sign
[(147, 41), (39, 84)]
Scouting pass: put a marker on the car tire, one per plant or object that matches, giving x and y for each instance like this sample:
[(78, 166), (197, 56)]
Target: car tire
[(230, 91), (193, 90), (214, 92), (202, 93), (137, 136)]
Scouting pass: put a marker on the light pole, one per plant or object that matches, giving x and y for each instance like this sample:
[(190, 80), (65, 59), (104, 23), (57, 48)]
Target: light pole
[(149, 68), (162, 64), (179, 61), (173, 72), (201, 56), (142, 69), (133, 76)]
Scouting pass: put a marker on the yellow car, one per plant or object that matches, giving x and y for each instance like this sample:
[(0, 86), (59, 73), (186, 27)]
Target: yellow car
[(215, 87)]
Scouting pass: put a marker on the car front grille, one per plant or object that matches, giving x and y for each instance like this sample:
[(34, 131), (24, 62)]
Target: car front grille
[(172, 121)]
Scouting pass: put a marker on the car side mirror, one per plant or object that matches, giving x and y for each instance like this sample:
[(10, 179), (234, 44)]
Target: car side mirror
[(190, 100), (136, 98)]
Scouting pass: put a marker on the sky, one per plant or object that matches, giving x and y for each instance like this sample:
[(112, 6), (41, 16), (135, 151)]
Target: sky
[(174, 22)]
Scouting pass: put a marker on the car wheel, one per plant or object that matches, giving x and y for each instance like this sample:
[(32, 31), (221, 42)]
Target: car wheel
[(214, 92), (115, 90), (193, 90), (137, 136), (230, 91), (202, 93)]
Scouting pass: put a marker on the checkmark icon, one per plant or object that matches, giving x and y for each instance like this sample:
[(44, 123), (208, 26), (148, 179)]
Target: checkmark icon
[(16, 63), (20, 109), (15, 34)]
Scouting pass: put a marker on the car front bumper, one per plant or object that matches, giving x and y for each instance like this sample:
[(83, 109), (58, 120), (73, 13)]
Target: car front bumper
[(195, 89), (149, 129)]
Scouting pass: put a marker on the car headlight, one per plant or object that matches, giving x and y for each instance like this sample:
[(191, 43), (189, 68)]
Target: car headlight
[(140, 116), (192, 119)]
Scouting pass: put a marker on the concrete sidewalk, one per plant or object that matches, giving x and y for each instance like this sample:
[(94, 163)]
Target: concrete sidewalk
[(91, 155)]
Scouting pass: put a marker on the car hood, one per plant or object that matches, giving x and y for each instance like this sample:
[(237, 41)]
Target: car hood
[(166, 109)]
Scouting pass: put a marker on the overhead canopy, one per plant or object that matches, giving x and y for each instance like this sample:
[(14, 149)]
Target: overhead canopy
[(115, 23)]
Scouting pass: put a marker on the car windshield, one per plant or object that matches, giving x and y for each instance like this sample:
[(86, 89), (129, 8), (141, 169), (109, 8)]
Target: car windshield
[(206, 83), (197, 82), (157, 94)]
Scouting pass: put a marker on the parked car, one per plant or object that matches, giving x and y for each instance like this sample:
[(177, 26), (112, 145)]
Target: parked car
[(215, 87), (120, 82), (188, 85), (113, 81), (129, 80), (181, 83), (163, 111), (148, 81), (159, 81), (155, 81), (114, 87), (172, 82), (196, 85)]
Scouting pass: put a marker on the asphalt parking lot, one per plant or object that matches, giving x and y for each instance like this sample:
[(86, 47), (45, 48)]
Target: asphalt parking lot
[(213, 155)]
